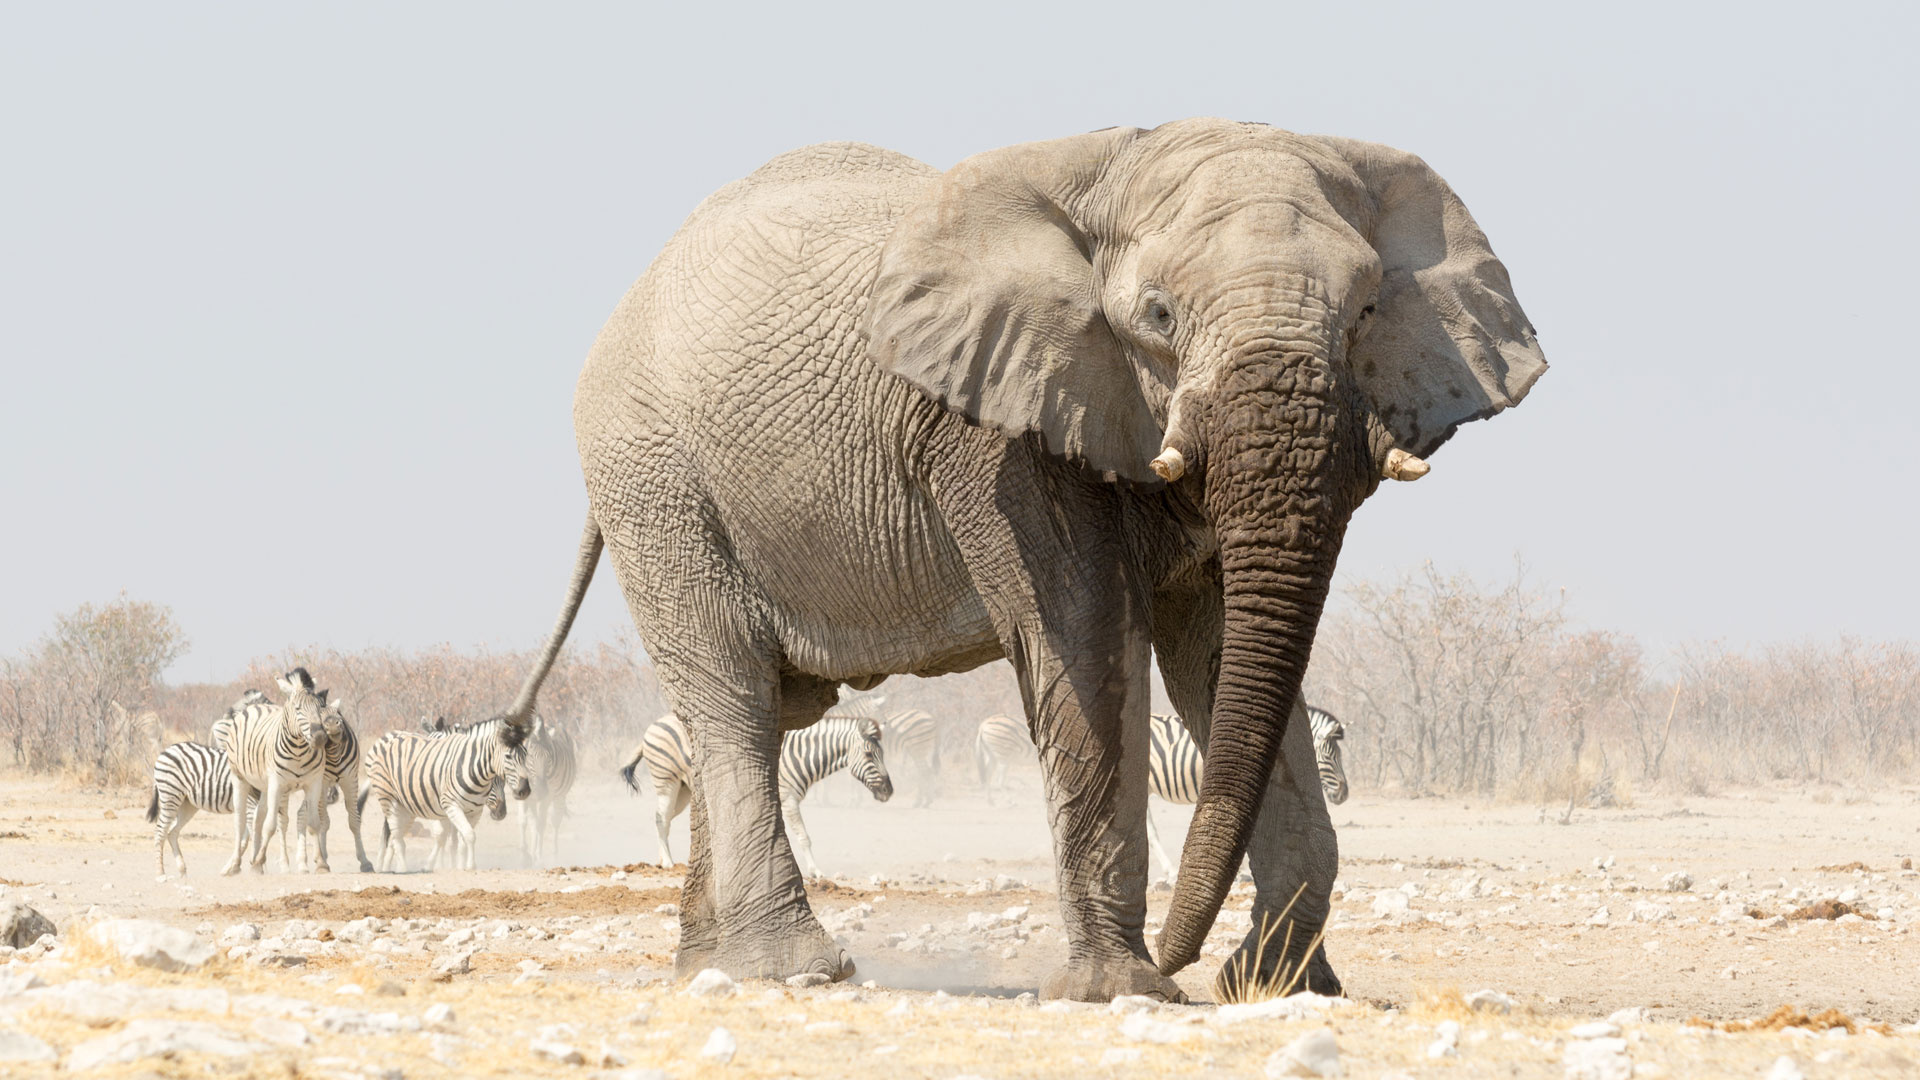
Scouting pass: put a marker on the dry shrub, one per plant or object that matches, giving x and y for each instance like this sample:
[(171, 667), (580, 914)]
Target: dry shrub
[(1432, 1002), (1784, 1017)]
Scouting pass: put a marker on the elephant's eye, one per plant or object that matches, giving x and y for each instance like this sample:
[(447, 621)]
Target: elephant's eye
[(1160, 317)]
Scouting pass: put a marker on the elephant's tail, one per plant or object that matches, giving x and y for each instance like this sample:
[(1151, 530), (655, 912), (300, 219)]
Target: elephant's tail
[(521, 714)]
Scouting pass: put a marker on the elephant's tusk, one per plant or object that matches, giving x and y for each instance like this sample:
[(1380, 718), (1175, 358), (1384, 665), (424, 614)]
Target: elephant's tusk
[(1404, 466), (1171, 464)]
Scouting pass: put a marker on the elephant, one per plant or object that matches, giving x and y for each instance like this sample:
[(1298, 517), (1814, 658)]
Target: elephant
[(1080, 404)]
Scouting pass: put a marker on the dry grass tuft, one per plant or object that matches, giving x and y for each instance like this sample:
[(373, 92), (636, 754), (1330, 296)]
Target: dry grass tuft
[(1439, 1003)]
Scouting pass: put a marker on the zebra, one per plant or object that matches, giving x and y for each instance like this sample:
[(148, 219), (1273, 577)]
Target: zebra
[(806, 757), (277, 749), (1000, 741), (343, 774), (668, 753), (913, 737), (814, 753), (189, 777), (446, 778), (1175, 766), (551, 768)]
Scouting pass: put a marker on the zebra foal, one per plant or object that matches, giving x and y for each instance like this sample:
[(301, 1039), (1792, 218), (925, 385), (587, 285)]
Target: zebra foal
[(447, 779)]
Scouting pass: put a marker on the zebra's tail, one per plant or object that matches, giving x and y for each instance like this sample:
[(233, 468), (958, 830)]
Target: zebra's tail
[(153, 805), (981, 766), (633, 764), (360, 803)]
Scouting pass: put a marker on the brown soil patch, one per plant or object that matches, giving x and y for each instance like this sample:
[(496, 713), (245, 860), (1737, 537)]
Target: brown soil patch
[(1826, 909), (640, 869), (387, 902), (1844, 868), (1784, 1017)]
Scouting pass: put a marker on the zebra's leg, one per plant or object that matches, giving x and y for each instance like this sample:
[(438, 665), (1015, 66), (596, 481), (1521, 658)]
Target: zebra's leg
[(1159, 852), (245, 804), (267, 815), (162, 825), (797, 833), (1295, 857), (316, 800), (668, 802), (461, 827), (349, 784), (176, 823)]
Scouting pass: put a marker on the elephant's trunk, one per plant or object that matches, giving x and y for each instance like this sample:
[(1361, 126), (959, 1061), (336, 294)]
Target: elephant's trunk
[(1286, 465)]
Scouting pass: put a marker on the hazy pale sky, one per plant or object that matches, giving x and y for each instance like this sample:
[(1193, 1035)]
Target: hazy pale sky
[(292, 301)]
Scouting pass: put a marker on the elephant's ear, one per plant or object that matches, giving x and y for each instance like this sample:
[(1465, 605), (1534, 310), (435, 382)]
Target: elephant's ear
[(986, 300), (1449, 343)]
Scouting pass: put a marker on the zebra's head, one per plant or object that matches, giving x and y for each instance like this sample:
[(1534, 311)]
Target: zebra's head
[(511, 761), (865, 761), (1327, 733), (332, 718), (304, 705)]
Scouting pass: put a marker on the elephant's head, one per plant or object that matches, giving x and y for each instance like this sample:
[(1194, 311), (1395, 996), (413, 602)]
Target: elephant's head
[(1270, 323)]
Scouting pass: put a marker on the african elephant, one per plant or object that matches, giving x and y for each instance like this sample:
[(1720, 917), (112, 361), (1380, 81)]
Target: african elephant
[(1070, 403)]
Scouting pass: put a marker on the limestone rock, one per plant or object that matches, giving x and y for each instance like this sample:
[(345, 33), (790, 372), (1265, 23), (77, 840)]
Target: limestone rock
[(712, 983), (145, 1038), (21, 926), (1313, 1054), (152, 944)]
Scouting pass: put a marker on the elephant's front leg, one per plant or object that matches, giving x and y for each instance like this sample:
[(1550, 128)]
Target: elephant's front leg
[(1295, 857), (1091, 731)]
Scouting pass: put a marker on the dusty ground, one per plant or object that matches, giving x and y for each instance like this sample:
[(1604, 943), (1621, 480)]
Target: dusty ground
[(1572, 922)]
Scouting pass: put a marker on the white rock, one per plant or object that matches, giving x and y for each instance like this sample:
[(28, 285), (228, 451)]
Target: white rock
[(144, 1038), (1446, 1042), (240, 934), (438, 1014), (1316, 1053), (1307, 1006), (1490, 1001), (1129, 1004), (152, 944), (1678, 881), (712, 983), (806, 979), (21, 1047), (1139, 1027), (1785, 1068), (1632, 1015), (18, 982), (720, 1046), (1121, 1055), (1389, 904), (1598, 1029), (559, 1053), (459, 963), (1598, 918), (1598, 1059), (284, 1032)]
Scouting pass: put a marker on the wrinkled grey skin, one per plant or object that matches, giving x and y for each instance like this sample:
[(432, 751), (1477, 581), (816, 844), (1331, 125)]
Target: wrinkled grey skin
[(863, 418)]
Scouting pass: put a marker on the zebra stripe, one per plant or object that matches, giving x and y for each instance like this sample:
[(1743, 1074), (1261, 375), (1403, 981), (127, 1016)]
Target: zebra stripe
[(275, 750), (187, 778), (668, 752), (1327, 733), (552, 764), (913, 742), (343, 774), (814, 753), (415, 775), (1000, 741), (1175, 765)]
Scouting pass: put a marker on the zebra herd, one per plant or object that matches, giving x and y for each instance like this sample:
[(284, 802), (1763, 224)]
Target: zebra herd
[(260, 752)]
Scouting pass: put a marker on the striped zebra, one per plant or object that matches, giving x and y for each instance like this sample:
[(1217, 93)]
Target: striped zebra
[(1000, 742), (668, 753), (1175, 766), (814, 753), (276, 750), (552, 764), (445, 779), (343, 775), (189, 777), (913, 747)]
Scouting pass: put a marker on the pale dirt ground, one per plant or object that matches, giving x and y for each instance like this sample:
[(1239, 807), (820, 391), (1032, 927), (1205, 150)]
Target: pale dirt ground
[(1496, 899)]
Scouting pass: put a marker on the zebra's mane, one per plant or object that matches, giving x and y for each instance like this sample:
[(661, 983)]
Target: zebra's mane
[(301, 677)]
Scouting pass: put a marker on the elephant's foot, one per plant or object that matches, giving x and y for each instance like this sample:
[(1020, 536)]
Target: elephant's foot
[(1256, 971), (1106, 979), (800, 951)]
